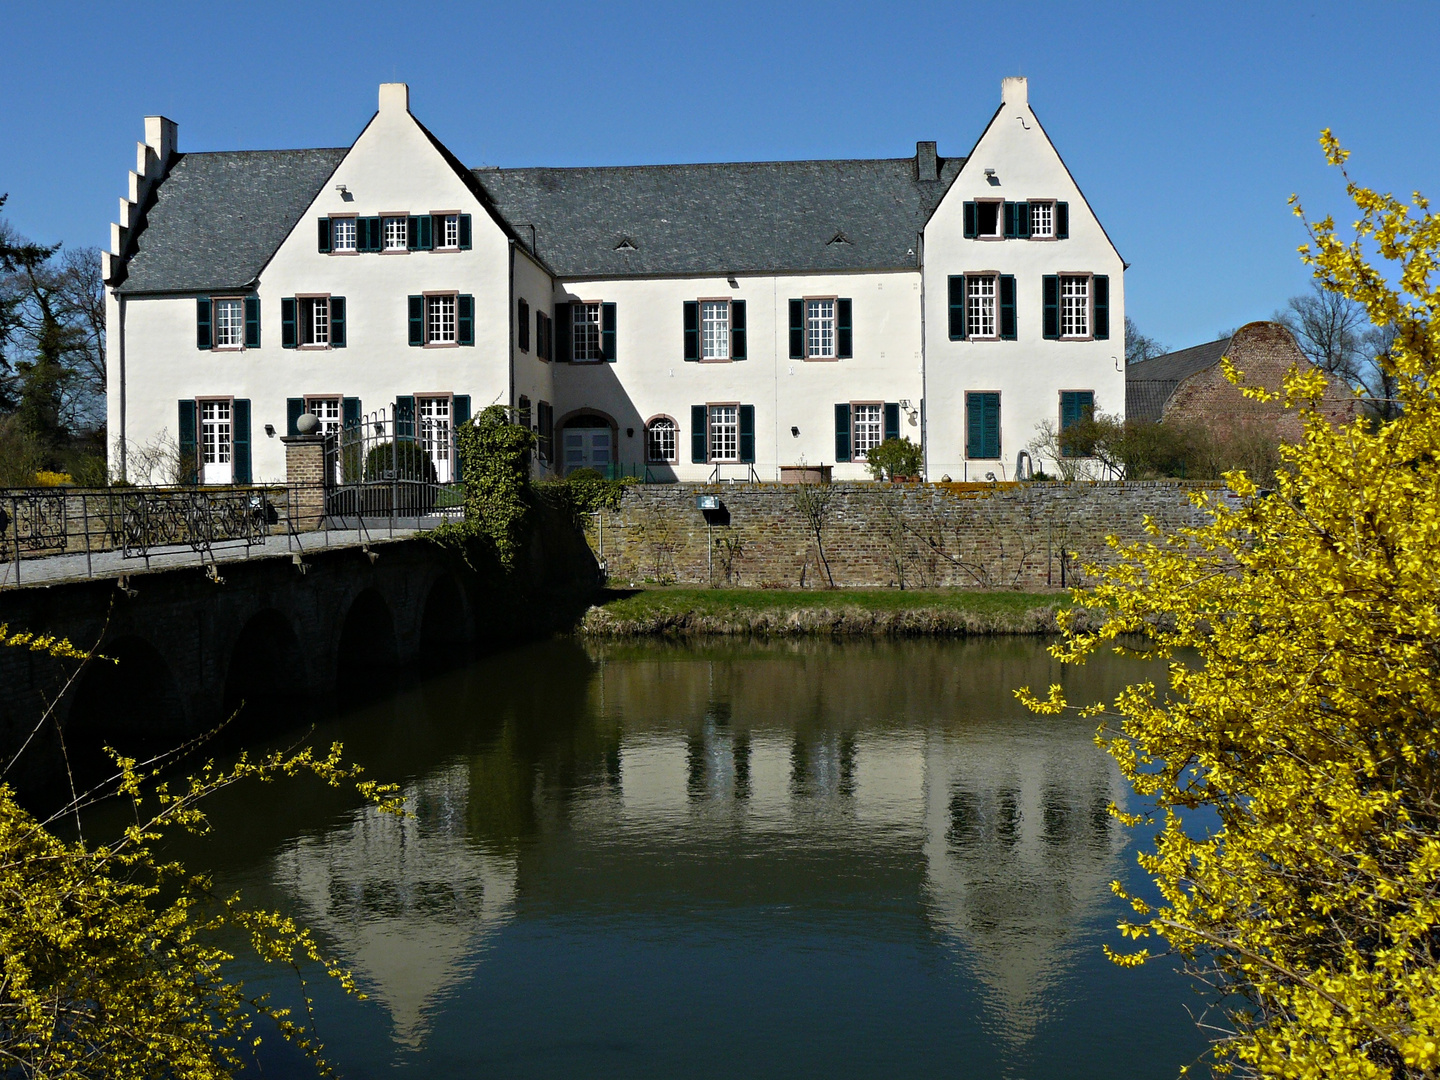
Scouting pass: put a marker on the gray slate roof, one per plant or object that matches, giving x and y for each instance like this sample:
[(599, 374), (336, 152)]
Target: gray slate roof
[(217, 218), (720, 218), (1149, 383)]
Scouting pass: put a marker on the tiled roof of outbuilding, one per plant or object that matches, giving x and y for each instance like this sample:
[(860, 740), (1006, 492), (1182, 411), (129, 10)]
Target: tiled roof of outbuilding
[(217, 218), (807, 216), (1149, 383)]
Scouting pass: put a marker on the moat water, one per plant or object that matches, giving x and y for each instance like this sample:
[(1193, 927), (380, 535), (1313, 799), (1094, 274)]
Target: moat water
[(718, 860)]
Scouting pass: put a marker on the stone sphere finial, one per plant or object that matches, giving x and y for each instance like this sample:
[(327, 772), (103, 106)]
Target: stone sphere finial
[(307, 424)]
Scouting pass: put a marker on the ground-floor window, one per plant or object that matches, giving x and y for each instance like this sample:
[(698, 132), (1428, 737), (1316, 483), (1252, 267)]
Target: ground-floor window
[(216, 442), (662, 441), (434, 430), (982, 425), (868, 426), (724, 433)]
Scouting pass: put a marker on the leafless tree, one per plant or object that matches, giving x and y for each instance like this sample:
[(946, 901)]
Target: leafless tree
[(812, 501), (1330, 330), (1140, 347)]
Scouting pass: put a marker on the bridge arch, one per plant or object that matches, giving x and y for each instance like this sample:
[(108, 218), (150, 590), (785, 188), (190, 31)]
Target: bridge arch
[(444, 624), (267, 670), (368, 653), (129, 700)]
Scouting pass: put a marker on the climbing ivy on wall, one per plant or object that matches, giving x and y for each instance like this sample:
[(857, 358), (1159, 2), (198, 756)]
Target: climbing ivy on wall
[(497, 491)]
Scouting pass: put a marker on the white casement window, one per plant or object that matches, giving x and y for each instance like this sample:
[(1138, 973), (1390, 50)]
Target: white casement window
[(585, 331), (327, 411), (820, 329), (662, 440), (397, 233), (1074, 307), (449, 232), (215, 442), (981, 305), (229, 324), (715, 330), (314, 320), (1042, 220), (867, 428), (434, 417), (440, 319), (342, 234), (724, 432), (988, 219)]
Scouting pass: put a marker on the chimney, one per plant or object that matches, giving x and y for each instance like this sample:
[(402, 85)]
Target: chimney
[(394, 97), (927, 165), (1014, 91)]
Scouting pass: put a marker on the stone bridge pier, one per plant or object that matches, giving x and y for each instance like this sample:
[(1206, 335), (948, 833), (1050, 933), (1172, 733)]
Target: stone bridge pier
[(289, 640)]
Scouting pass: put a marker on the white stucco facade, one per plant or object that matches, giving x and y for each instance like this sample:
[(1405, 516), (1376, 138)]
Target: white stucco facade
[(899, 353)]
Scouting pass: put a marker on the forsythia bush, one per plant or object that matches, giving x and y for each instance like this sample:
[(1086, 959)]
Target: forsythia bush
[(1305, 714)]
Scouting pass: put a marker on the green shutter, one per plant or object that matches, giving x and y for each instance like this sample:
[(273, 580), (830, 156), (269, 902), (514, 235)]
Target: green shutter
[(188, 462), (1050, 293), (607, 332), (464, 232), (417, 320), (203, 340), (842, 431), (698, 421), (1022, 220), (1062, 221), (522, 324), (892, 420), (405, 417), (844, 337), (747, 433), (252, 322), (324, 237), (465, 319), (240, 441), (287, 323), (337, 322), (982, 426), (737, 329), (350, 412), (970, 221), (294, 409), (691, 324), (797, 329), (412, 233), (1012, 229), (991, 445), (1102, 307), (957, 307), (460, 416), (427, 232), (562, 332), (1007, 307)]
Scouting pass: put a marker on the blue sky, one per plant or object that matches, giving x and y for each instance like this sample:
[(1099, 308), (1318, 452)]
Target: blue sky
[(1187, 125)]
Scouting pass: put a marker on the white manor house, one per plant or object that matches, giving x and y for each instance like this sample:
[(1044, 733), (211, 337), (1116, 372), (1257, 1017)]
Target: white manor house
[(682, 321)]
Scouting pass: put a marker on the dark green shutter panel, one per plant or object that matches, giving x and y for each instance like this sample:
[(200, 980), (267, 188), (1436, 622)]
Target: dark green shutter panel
[(990, 446), (892, 420), (287, 323), (337, 322), (797, 329), (957, 307), (460, 414), (973, 423), (350, 412), (1102, 307), (405, 416), (203, 339), (465, 319), (969, 221), (417, 320), (844, 338), (1007, 307), (324, 239), (1022, 220), (737, 329), (698, 418), (1012, 229), (607, 332), (982, 425), (412, 233), (240, 441), (377, 235), (464, 232), (562, 332), (842, 432), (956, 297), (691, 324), (1051, 295), (1062, 221), (252, 322), (427, 232), (188, 462), (747, 433), (522, 324), (294, 407), (1069, 411)]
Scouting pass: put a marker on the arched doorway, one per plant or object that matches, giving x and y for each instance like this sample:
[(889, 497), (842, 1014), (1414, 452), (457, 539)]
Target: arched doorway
[(587, 441)]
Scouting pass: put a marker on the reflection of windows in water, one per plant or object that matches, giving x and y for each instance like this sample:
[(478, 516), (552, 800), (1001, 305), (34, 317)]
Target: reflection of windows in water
[(965, 820), (1057, 818), (825, 766), (1007, 824), (742, 766), (1100, 818)]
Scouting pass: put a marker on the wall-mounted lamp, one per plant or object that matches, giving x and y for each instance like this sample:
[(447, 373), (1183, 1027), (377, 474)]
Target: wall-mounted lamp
[(991, 178), (989, 173), (629, 432), (794, 431), (270, 430), (732, 282), (341, 188)]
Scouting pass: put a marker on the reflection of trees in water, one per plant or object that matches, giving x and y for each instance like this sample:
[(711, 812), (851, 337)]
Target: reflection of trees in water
[(408, 902)]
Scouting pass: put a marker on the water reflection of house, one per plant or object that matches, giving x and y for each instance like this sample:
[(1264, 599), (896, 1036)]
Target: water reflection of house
[(407, 902)]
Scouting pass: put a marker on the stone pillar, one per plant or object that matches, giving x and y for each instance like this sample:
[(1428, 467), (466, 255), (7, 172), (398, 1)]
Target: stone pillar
[(305, 476)]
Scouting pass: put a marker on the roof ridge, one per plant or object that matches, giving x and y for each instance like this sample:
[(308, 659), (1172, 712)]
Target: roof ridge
[(702, 164)]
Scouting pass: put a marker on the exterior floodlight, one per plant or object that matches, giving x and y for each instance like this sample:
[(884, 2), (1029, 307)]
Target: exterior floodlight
[(707, 502)]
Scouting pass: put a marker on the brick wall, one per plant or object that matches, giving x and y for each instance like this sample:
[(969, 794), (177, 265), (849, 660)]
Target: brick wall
[(965, 535)]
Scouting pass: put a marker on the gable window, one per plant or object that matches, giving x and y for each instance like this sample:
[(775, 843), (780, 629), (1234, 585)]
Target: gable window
[(585, 332), (867, 423), (715, 330), (724, 433), (820, 329), (342, 235), (662, 441), (229, 324), (980, 311), (1074, 307), (448, 231), (440, 319), (397, 233), (1042, 220)]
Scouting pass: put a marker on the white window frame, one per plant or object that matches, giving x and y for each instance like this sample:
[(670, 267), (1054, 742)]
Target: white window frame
[(216, 451), (352, 227), (448, 224), (873, 427), (235, 340), (669, 431), (1086, 307), (979, 303), (311, 330), (715, 342), (580, 316), (722, 432), (1049, 206), (434, 430), (999, 233), (329, 409), (816, 327), (386, 222), (435, 319)]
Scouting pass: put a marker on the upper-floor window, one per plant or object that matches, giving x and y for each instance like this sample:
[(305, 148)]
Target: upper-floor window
[(522, 325), (1074, 306), (397, 233), (229, 324), (715, 330), (440, 319), (820, 329), (542, 336), (448, 231), (314, 320), (982, 307), (980, 314), (662, 441), (585, 332), (342, 234), (996, 219), (1042, 219), (987, 217)]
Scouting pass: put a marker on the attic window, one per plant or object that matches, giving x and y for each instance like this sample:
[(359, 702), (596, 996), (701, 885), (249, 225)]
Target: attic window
[(625, 244), (838, 238)]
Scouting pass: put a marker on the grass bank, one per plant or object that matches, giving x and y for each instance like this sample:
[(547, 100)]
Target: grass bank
[(787, 612)]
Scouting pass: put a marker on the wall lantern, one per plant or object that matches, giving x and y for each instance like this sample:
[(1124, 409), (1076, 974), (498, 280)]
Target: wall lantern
[(707, 502)]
